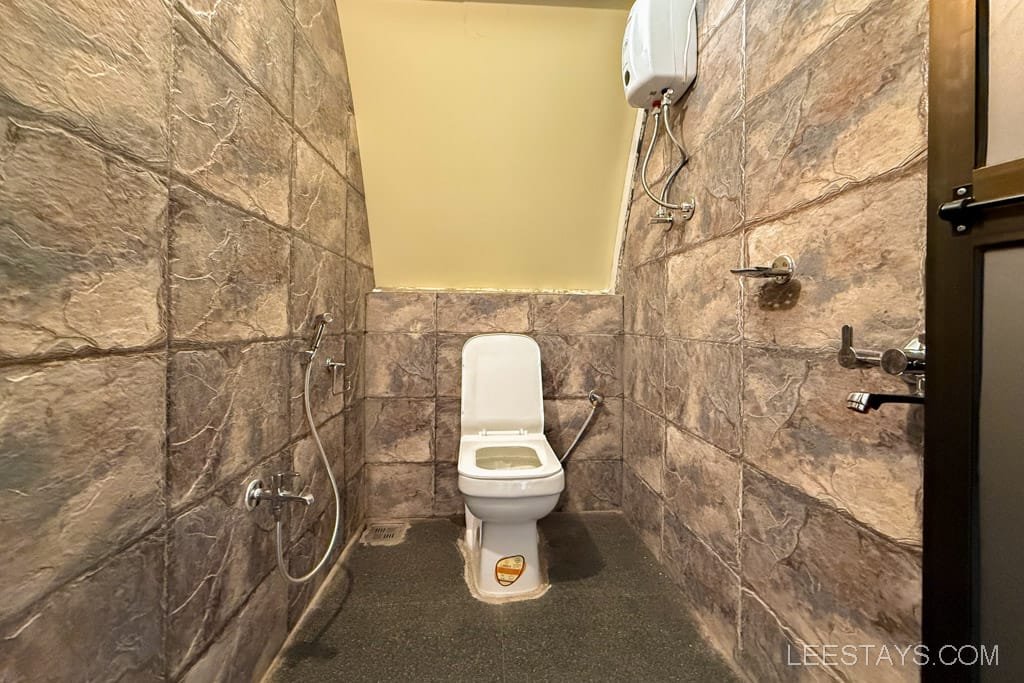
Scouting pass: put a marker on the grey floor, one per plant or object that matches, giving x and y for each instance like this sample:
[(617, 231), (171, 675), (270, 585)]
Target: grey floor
[(404, 613)]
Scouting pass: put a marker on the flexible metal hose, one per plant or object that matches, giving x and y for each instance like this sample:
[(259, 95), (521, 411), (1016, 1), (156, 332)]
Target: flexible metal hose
[(334, 487), (596, 400)]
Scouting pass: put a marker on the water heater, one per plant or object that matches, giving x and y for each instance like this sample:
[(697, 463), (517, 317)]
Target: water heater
[(659, 50)]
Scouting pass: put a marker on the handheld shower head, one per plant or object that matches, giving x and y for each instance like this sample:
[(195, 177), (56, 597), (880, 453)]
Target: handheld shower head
[(321, 322)]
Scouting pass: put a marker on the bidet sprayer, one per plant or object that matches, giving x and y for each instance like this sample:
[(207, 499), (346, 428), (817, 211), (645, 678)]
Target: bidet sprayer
[(321, 322)]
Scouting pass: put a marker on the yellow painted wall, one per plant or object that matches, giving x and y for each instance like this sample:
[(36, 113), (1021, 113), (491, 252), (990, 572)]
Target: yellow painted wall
[(495, 140)]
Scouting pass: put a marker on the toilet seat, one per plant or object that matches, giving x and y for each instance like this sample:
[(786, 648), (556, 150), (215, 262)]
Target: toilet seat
[(471, 446)]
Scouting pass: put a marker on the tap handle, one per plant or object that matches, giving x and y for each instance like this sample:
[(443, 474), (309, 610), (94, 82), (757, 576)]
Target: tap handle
[(850, 357), (284, 482), (906, 361)]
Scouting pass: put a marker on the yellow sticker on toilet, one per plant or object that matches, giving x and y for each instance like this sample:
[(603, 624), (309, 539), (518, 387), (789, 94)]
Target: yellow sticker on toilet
[(508, 569)]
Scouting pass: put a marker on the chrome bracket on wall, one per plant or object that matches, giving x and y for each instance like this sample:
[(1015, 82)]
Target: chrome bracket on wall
[(334, 366), (781, 270)]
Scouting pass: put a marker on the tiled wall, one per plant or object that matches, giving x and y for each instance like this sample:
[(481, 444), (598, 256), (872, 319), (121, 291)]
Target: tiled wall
[(180, 192), (413, 383), (784, 516)]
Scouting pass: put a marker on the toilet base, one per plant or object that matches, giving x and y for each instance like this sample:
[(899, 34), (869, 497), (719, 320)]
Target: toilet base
[(504, 558)]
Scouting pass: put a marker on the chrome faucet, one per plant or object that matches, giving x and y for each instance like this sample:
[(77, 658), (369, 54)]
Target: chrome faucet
[(279, 493), (907, 363)]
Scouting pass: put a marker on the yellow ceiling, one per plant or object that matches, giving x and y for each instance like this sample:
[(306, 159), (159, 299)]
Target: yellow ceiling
[(495, 140)]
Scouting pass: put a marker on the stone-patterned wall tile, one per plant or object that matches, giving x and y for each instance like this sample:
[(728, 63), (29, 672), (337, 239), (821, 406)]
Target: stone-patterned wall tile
[(355, 504), (353, 159), (643, 370), (101, 66), (782, 35), (319, 23), (702, 390), (83, 451), (798, 429), (644, 510), (313, 479), (81, 243), (229, 272), (358, 231), (106, 625), (703, 298), (326, 389), (224, 135), (714, 179), (400, 365), (644, 240), (249, 643), (854, 111), (449, 364), (828, 579), (217, 552), (400, 312), (769, 645), (644, 298), (228, 409), (702, 489), (712, 587), (711, 14), (321, 105), (399, 430), (563, 419), (643, 444), (576, 365), (447, 429), (304, 555), (355, 437), (319, 199), (859, 262), (358, 283), (397, 491), (256, 36), (355, 368), (448, 500), (480, 313), (717, 95), (592, 485), (577, 313), (318, 286)]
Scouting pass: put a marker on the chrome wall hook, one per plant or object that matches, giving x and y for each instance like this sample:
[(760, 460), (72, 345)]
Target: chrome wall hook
[(781, 270), (334, 366)]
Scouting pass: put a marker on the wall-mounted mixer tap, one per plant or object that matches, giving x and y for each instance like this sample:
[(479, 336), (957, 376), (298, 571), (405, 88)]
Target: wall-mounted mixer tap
[(279, 493), (907, 362)]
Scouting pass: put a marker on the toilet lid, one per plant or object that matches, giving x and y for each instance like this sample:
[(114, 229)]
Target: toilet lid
[(501, 385)]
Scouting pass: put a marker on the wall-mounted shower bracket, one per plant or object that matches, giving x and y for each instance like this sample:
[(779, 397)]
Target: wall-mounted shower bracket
[(781, 270), (334, 366)]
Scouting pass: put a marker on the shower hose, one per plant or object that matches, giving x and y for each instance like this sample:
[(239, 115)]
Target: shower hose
[(334, 487), (596, 400)]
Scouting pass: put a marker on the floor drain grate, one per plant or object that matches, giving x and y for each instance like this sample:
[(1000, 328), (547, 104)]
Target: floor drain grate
[(384, 534)]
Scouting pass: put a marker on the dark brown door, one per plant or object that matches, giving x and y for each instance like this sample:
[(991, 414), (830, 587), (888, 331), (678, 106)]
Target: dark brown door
[(974, 438)]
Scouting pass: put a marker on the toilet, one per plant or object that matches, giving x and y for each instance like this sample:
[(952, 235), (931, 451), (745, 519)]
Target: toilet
[(509, 475)]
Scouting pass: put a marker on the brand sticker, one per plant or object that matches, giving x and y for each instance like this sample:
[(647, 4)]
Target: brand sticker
[(508, 569)]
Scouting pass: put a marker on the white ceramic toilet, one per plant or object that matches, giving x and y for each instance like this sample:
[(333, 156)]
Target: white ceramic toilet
[(508, 473)]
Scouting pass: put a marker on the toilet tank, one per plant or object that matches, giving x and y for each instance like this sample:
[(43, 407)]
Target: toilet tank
[(501, 385)]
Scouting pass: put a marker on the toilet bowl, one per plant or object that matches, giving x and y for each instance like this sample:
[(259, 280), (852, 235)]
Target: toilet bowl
[(509, 475)]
